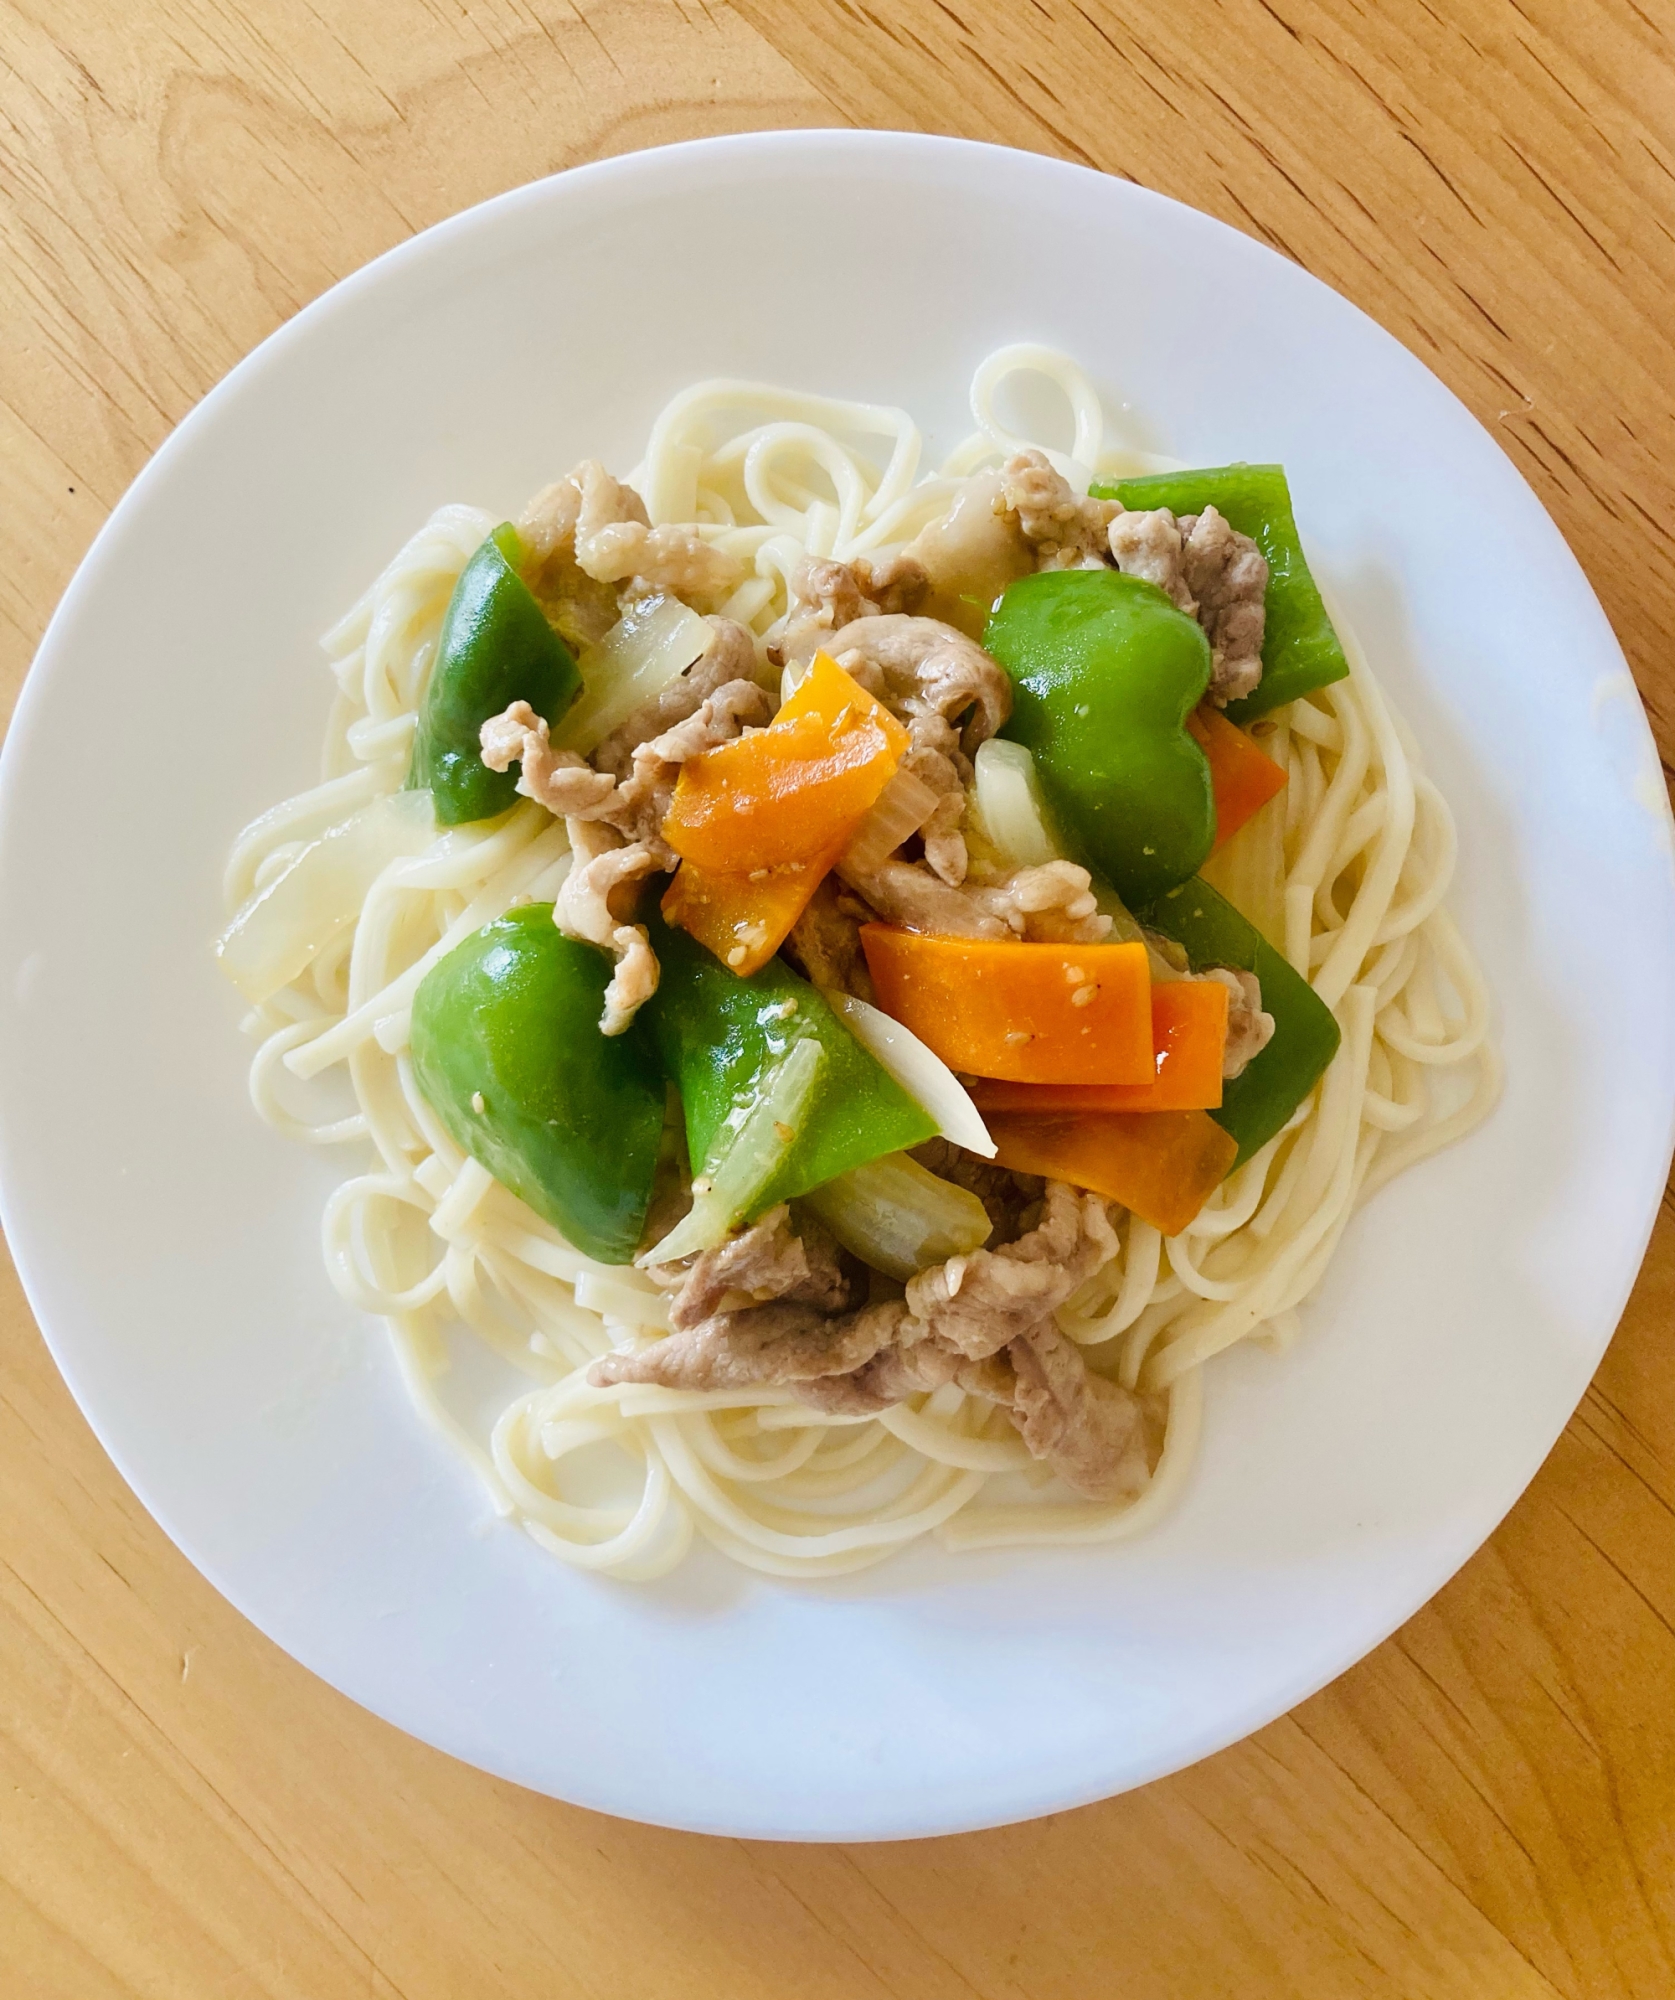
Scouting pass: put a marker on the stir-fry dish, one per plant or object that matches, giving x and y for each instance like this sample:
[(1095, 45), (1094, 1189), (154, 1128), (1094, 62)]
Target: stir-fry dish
[(857, 984)]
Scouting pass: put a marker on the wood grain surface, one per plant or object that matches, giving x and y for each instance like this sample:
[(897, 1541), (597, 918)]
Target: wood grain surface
[(1486, 1806)]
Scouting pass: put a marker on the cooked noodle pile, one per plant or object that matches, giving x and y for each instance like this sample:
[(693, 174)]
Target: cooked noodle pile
[(428, 1241)]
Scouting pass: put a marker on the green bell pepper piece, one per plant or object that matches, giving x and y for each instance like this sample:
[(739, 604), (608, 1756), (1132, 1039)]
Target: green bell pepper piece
[(1105, 672), (722, 1038), (1300, 650), (1256, 1104), (496, 648), (507, 1052)]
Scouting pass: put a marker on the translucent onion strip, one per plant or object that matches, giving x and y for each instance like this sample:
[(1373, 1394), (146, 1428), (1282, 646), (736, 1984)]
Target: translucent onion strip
[(1010, 808), (899, 1217), (279, 932), (650, 645), (920, 1071), (767, 1133)]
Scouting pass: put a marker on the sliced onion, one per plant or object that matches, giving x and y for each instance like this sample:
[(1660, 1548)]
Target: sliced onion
[(285, 926), (304, 817), (650, 645), (1010, 806), (900, 1218), (925, 1077), (727, 1192), (899, 811)]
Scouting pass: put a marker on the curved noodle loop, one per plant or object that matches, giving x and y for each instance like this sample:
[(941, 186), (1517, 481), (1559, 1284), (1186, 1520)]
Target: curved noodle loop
[(619, 1479)]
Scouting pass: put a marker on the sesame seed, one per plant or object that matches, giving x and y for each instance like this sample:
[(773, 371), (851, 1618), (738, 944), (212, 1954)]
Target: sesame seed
[(477, 1102), (1017, 1038), (1074, 974), (786, 1132), (1083, 995), (736, 957)]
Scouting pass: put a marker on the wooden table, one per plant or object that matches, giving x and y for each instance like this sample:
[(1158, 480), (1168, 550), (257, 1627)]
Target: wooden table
[(1486, 1806)]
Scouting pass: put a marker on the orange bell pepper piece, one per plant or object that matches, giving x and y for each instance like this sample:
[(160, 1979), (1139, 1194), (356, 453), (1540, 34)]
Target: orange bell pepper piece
[(1243, 776), (1189, 1040), (744, 919), (1034, 1013), (790, 791), (1161, 1165)]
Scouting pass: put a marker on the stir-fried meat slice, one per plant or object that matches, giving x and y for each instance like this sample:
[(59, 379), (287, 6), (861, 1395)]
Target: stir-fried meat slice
[(766, 1261), (557, 779), (568, 786), (945, 849), (1052, 903), (603, 866), (1100, 1438), (1211, 572), (614, 541), (642, 800), (826, 595), (633, 982), (939, 772), (897, 584), (1249, 1030), (548, 524), (1228, 575), (825, 943), (599, 525), (1147, 544), (1067, 530), (616, 828), (975, 1304), (730, 656), (929, 669), (895, 1373), (907, 893), (594, 903), (631, 821), (931, 676), (782, 1344), (969, 1307)]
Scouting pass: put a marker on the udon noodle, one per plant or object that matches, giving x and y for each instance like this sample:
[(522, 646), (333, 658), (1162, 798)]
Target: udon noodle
[(617, 1479)]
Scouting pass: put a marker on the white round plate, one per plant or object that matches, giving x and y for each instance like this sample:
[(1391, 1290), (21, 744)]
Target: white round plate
[(169, 1242)]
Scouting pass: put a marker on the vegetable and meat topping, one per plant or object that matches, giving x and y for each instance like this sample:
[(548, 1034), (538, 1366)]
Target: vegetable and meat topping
[(983, 1320), (996, 761)]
